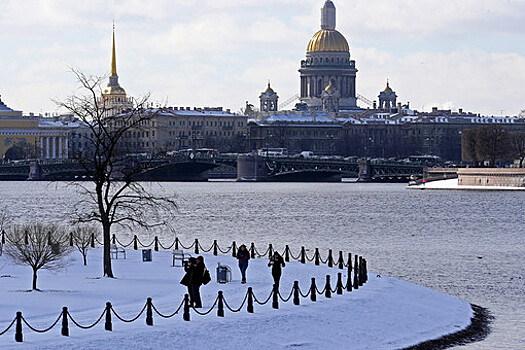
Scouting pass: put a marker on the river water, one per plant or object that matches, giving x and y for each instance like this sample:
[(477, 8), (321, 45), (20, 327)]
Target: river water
[(467, 244)]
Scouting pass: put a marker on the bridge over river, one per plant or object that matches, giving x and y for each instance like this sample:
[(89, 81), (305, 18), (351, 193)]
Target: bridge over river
[(196, 167)]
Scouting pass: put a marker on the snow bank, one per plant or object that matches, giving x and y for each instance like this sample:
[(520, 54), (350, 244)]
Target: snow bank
[(383, 314), (452, 184)]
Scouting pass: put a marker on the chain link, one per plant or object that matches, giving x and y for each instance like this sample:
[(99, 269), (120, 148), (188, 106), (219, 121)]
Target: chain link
[(43, 330), (9, 327), (207, 312), (240, 307), (131, 320), (86, 327), (170, 315)]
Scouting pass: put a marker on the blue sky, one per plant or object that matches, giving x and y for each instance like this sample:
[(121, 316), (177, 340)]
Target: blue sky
[(455, 54)]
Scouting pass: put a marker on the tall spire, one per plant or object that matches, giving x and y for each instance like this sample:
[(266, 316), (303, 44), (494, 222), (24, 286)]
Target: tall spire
[(113, 56), (328, 15)]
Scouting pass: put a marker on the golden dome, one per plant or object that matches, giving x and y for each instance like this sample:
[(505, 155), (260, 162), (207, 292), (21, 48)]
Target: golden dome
[(388, 88), (328, 40), (269, 90), (114, 90)]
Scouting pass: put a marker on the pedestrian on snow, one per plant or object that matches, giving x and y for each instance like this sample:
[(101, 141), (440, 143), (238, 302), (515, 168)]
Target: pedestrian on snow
[(196, 275), (189, 267), (243, 255), (276, 262)]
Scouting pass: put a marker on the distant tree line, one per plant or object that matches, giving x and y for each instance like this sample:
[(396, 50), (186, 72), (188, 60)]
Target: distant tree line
[(492, 143)]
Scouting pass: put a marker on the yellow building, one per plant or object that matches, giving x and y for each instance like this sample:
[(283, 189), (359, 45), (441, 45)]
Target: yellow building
[(30, 137)]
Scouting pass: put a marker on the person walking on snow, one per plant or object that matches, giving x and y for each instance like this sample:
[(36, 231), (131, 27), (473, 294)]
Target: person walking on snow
[(276, 262), (243, 255)]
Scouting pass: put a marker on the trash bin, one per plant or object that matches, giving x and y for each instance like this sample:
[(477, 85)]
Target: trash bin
[(224, 273), (146, 254)]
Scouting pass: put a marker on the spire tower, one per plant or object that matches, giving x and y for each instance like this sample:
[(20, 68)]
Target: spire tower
[(114, 97), (114, 56)]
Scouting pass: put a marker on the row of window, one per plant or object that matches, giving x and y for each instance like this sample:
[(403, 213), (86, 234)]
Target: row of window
[(208, 123)]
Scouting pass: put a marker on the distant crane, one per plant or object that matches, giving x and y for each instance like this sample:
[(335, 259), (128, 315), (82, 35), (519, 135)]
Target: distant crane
[(288, 101), (365, 100)]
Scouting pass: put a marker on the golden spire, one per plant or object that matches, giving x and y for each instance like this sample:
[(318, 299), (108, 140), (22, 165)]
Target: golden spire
[(113, 56)]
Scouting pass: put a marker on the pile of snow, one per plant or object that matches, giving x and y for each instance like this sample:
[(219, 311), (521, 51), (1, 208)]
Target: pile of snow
[(385, 313), (452, 184)]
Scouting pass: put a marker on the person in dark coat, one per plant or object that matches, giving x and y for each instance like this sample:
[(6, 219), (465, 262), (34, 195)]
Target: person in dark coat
[(196, 280), (276, 262), (188, 267), (243, 255)]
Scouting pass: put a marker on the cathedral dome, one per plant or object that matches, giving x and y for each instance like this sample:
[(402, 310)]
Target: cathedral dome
[(328, 40)]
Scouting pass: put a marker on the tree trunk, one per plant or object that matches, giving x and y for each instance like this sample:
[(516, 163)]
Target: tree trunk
[(84, 255), (108, 272), (34, 279)]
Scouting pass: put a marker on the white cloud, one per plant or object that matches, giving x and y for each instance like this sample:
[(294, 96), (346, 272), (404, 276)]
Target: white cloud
[(221, 52)]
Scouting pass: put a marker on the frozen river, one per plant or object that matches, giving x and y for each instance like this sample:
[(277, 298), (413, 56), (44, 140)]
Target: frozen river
[(466, 244)]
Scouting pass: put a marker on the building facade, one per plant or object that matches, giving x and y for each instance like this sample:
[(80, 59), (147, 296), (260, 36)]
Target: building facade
[(33, 137)]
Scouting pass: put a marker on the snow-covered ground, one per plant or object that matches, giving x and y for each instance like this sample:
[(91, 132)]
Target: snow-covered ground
[(452, 184), (385, 313)]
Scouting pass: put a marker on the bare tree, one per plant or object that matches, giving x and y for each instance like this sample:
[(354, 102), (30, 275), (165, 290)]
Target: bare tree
[(487, 143), (114, 196), (518, 143), (82, 235), (30, 245)]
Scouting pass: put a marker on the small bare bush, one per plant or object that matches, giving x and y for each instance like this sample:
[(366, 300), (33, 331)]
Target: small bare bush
[(82, 235), (41, 246)]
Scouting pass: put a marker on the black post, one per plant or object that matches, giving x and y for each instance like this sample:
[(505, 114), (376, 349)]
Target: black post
[(92, 240), (250, 300), (186, 314), (215, 247), (220, 310), (234, 249), (156, 244), (135, 243), (176, 243), (196, 246), (108, 326), (313, 296), (65, 327), (275, 303), (19, 337), (349, 281), (339, 283), (296, 293), (270, 250), (365, 271), (252, 250), (327, 288), (341, 260), (330, 259), (287, 253), (349, 262), (26, 239), (317, 256), (361, 274), (149, 313), (303, 255), (356, 266), (70, 239), (114, 239)]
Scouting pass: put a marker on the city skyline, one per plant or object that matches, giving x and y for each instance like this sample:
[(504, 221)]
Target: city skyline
[(450, 55)]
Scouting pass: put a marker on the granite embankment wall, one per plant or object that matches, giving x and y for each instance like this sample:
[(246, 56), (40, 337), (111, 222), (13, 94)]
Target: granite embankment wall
[(491, 177)]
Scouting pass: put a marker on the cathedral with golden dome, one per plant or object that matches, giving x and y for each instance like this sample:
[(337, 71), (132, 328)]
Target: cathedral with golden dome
[(328, 63)]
